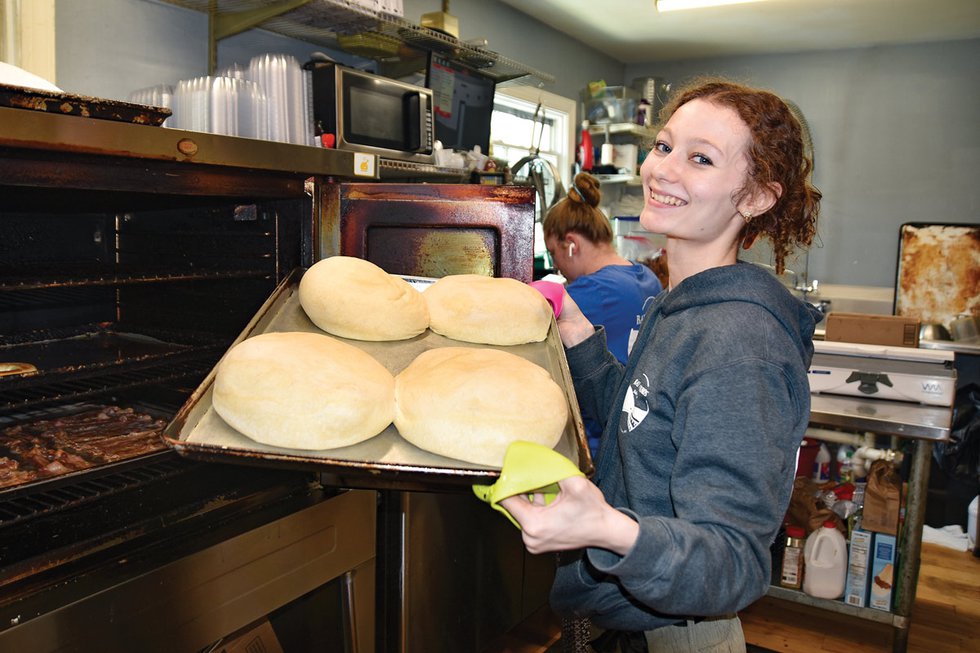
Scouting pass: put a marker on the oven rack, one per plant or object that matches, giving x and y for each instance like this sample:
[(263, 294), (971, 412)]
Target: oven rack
[(91, 278), (27, 391), (86, 518), (48, 497)]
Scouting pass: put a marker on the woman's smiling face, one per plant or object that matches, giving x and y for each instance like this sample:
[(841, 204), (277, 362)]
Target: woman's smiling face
[(693, 172)]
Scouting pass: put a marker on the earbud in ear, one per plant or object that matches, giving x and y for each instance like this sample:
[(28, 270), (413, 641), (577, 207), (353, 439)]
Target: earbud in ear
[(571, 248)]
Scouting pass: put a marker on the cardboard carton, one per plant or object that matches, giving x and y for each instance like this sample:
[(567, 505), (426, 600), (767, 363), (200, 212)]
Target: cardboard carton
[(892, 330), (858, 567), (883, 574)]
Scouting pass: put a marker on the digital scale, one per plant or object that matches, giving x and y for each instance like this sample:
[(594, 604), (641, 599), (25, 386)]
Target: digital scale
[(877, 371)]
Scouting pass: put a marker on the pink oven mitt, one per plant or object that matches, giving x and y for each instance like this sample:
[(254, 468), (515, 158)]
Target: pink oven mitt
[(553, 292)]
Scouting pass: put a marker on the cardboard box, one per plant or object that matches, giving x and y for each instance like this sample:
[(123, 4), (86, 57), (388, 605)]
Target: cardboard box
[(856, 586), (883, 574), (893, 330), (258, 637)]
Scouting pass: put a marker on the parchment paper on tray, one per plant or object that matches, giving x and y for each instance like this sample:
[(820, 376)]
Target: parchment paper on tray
[(386, 460)]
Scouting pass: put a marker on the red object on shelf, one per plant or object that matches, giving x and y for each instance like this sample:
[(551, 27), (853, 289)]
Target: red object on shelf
[(585, 155), (807, 457)]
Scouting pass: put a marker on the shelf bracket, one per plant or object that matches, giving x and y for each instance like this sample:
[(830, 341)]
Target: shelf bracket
[(223, 25)]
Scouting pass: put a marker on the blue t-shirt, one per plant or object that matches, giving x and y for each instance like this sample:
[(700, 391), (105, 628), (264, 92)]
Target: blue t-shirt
[(614, 297)]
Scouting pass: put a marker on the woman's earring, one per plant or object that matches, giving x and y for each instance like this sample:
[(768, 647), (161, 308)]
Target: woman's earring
[(747, 217)]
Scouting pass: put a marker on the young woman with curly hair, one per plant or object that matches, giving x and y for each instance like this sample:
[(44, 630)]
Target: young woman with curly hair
[(671, 537)]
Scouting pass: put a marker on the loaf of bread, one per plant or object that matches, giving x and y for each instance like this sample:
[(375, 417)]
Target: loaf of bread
[(487, 310), (471, 403), (353, 298), (303, 391)]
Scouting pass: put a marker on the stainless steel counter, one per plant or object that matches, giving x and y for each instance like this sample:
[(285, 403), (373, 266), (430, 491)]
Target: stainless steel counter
[(904, 419), (39, 130)]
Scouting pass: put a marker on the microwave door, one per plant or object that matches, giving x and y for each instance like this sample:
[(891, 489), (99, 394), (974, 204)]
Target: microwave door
[(414, 119)]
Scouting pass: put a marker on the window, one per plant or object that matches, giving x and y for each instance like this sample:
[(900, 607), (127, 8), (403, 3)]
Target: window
[(515, 131)]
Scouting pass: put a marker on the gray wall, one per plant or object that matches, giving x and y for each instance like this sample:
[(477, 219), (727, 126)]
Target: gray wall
[(895, 128), (896, 139), (108, 48)]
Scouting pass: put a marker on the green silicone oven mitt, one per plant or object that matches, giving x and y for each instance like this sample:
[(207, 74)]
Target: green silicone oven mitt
[(528, 468)]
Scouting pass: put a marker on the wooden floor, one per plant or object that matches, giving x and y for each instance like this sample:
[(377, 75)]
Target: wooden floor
[(945, 616)]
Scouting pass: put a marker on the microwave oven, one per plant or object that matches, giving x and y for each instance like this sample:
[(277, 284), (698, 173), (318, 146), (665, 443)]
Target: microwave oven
[(363, 112)]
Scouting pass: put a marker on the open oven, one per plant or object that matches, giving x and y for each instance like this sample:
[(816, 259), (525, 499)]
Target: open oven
[(123, 279), (131, 257)]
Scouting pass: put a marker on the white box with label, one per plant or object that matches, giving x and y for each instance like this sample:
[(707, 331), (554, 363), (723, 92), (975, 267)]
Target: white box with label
[(856, 586), (882, 572)]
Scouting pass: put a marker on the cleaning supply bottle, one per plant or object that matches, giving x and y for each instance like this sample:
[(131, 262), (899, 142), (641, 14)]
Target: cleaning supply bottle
[(845, 464), (825, 558), (585, 153), (821, 466), (792, 572)]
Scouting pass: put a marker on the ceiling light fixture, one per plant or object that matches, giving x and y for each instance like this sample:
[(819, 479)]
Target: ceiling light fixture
[(677, 5)]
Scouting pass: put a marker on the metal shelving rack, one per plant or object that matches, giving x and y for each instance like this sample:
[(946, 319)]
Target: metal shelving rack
[(344, 26), (922, 424)]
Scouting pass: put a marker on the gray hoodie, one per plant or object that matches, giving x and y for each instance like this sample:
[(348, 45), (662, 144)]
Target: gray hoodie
[(699, 448)]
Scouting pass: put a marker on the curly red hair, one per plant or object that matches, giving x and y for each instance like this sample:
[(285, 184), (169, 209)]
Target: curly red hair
[(776, 156)]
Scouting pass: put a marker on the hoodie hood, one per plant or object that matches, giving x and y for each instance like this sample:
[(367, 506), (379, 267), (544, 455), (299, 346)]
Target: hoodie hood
[(750, 283)]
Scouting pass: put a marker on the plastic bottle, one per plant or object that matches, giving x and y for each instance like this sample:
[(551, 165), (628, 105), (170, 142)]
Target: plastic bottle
[(585, 152), (825, 557), (821, 466), (792, 572), (643, 113), (845, 464)]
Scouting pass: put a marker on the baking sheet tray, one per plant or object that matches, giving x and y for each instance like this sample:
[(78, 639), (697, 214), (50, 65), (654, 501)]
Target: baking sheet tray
[(70, 104), (938, 272), (386, 461)]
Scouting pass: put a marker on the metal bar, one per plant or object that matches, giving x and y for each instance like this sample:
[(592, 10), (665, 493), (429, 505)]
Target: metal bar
[(839, 607), (230, 23), (910, 547), (350, 613)]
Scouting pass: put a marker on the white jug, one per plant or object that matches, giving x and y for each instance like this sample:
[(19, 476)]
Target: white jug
[(825, 560)]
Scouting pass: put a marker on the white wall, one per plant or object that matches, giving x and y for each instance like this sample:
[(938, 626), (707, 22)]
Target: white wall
[(895, 140)]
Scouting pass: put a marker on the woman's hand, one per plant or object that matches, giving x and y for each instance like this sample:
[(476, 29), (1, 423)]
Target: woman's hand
[(573, 326), (578, 517)]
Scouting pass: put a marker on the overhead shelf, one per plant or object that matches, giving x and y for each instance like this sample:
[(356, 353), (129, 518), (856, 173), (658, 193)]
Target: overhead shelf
[(346, 27), (613, 128)]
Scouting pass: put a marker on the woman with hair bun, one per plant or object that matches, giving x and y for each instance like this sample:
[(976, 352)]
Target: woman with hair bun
[(671, 537), (609, 289)]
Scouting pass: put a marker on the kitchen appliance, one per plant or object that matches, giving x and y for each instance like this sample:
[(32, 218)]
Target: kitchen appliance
[(130, 257), (362, 112), (875, 371)]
